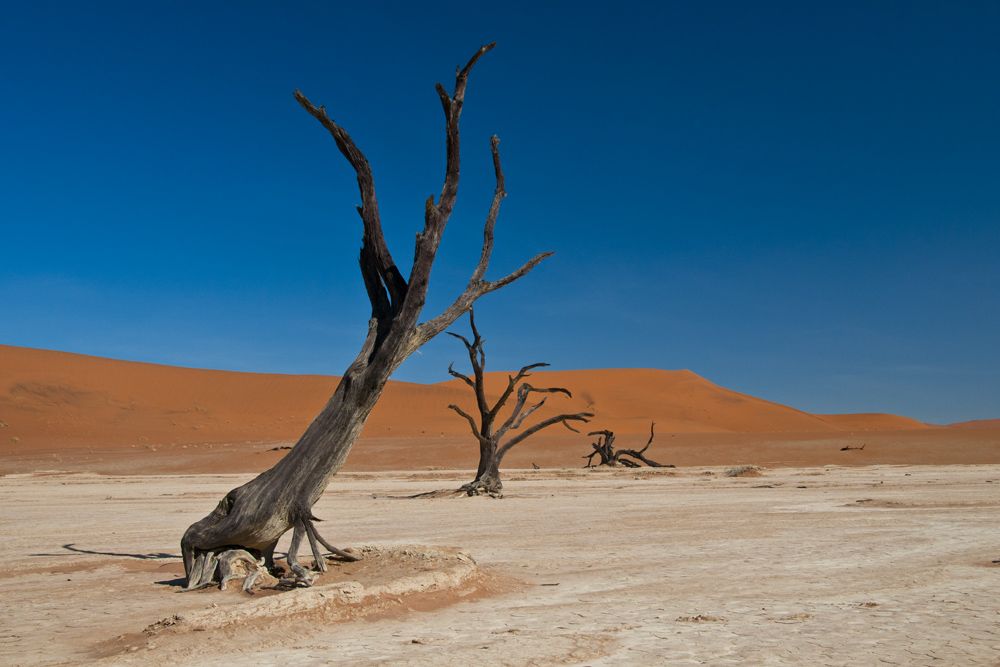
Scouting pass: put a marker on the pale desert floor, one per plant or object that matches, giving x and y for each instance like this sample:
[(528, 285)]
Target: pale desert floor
[(878, 565)]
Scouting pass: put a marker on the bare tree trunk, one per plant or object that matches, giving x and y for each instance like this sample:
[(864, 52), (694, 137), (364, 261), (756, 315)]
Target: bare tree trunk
[(487, 481), (491, 452), (252, 517)]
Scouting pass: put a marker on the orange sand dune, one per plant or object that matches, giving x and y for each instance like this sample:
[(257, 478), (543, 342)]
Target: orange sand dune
[(626, 400), (977, 423), (62, 401), (872, 421)]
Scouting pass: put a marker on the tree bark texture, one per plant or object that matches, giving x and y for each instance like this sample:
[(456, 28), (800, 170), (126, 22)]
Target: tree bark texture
[(252, 517), (489, 436)]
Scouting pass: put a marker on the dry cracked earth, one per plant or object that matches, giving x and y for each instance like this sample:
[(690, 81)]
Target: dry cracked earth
[(882, 565)]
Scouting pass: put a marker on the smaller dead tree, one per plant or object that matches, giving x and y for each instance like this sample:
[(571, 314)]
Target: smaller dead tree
[(491, 452), (610, 457)]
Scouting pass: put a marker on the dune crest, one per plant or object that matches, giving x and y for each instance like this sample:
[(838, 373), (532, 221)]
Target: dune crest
[(50, 398)]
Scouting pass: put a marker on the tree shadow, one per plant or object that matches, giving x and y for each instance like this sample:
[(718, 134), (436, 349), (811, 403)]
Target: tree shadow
[(179, 582), (70, 547)]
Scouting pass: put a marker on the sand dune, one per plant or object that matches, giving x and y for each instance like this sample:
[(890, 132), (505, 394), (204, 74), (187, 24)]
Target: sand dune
[(63, 398), (977, 423), (59, 400), (873, 421)]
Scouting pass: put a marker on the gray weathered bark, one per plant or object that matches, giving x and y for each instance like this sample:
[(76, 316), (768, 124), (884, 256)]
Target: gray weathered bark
[(252, 517), (491, 452)]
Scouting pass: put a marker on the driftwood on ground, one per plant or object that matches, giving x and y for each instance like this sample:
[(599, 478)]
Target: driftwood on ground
[(623, 457)]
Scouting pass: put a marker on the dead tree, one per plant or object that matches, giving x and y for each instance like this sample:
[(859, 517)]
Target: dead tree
[(252, 517), (491, 452), (610, 457)]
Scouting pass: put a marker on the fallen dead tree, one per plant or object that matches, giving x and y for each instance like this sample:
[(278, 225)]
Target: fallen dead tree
[(622, 457)]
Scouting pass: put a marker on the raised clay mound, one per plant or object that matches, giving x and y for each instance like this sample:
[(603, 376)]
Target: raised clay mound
[(124, 593)]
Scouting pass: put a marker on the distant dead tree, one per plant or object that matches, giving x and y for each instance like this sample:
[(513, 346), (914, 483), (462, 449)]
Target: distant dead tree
[(491, 452), (250, 519), (610, 457)]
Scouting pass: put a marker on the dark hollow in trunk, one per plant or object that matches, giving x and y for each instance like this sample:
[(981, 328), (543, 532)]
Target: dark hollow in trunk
[(489, 436), (252, 517), (611, 457)]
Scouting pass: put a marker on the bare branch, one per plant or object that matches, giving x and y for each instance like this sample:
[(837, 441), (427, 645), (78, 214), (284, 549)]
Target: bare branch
[(549, 390), (468, 345), (517, 424), (436, 216), (374, 251), (472, 422), (503, 282), (477, 287), (650, 441), (491, 218), (511, 384), (461, 377), (580, 416)]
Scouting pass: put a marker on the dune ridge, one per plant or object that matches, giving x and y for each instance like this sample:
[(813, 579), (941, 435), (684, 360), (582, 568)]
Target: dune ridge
[(67, 399)]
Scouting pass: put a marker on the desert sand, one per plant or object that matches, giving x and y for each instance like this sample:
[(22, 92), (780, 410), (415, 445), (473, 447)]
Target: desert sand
[(875, 565), (888, 554), (74, 412)]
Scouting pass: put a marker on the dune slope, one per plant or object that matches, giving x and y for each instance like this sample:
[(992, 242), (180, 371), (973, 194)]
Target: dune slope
[(65, 399)]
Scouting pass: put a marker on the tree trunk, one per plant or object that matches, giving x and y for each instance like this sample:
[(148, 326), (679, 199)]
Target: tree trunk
[(252, 517), (487, 481)]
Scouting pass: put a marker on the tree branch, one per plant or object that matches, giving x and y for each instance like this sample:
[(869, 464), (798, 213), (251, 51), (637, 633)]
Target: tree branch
[(477, 287), (472, 422), (375, 256), (461, 377), (436, 216), (517, 423), (580, 416), (511, 384), (650, 441), (491, 218)]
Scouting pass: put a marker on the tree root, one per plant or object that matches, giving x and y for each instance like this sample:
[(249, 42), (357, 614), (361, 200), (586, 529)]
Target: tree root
[(488, 487), (221, 565)]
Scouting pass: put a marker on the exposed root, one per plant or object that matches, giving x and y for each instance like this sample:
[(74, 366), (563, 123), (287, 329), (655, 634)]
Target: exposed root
[(220, 566), (483, 487), (239, 563)]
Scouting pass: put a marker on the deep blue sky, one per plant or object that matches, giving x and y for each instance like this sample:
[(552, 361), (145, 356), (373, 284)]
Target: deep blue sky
[(796, 200)]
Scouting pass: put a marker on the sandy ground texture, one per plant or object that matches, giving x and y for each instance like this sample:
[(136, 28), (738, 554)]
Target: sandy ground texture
[(872, 565)]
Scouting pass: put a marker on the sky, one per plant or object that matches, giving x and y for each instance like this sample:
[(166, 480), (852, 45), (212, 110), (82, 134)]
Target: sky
[(799, 201)]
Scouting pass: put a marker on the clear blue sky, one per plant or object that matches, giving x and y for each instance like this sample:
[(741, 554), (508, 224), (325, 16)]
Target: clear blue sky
[(796, 200)]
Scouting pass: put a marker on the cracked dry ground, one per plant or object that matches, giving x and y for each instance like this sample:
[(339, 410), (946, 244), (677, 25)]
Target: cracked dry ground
[(886, 565)]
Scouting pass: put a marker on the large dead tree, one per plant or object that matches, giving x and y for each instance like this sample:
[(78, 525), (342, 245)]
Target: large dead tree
[(491, 452), (248, 521), (612, 457)]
